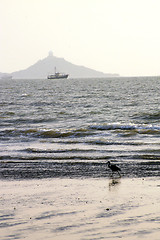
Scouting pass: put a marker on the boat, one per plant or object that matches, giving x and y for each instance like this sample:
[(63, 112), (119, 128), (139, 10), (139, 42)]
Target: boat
[(57, 75)]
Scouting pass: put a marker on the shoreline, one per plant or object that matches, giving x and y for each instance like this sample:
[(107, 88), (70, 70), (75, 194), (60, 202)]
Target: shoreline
[(80, 209)]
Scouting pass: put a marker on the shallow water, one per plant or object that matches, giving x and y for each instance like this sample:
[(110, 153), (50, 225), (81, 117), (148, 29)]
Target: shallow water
[(80, 209), (71, 128)]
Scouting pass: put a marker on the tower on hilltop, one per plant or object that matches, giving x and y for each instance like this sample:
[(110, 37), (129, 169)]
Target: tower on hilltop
[(50, 54)]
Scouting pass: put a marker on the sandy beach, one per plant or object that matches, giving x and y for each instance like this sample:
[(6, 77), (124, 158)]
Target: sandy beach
[(116, 208)]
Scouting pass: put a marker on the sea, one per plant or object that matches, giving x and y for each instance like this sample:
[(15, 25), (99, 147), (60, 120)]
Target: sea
[(72, 128)]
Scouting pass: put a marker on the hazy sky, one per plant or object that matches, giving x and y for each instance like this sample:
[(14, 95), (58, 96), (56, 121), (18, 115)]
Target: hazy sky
[(115, 36)]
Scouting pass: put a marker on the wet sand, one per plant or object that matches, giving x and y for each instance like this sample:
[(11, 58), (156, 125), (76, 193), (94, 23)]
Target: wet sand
[(80, 209)]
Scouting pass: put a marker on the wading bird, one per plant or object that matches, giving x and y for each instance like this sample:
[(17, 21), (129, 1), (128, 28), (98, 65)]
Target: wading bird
[(114, 168)]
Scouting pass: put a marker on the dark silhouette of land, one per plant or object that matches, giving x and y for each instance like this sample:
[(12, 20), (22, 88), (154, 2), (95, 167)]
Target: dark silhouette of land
[(47, 65)]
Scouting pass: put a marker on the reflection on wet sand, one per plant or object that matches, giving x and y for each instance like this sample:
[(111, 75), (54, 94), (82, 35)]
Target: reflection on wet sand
[(114, 183)]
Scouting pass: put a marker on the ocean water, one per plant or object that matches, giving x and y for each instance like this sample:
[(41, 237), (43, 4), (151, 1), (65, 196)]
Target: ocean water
[(71, 128)]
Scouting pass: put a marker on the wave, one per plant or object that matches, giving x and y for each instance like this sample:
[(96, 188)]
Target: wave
[(148, 116), (124, 130), (45, 133), (74, 150), (42, 158), (131, 128), (116, 143), (146, 157), (26, 120), (113, 127)]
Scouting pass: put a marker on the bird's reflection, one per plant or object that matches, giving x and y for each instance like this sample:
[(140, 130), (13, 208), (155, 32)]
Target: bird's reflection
[(114, 183)]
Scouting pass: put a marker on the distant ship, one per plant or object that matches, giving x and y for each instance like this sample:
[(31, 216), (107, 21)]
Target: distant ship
[(57, 75)]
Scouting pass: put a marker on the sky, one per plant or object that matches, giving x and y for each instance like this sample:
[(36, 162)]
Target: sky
[(112, 36)]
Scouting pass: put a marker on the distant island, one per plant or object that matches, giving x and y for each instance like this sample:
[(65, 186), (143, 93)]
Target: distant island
[(46, 66)]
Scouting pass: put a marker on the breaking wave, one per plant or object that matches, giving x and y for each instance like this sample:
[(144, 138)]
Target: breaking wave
[(141, 129), (127, 130), (45, 133)]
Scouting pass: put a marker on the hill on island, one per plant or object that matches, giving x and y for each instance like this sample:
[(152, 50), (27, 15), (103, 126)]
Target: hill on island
[(46, 66)]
